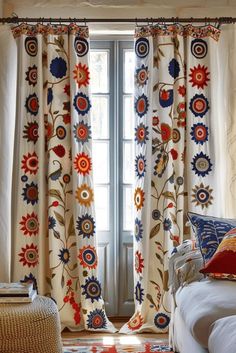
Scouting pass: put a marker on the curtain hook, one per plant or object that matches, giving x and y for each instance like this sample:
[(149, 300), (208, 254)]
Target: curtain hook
[(136, 22), (85, 23)]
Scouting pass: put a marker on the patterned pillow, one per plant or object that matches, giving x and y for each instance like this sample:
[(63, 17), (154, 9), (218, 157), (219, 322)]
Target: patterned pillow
[(223, 263), (209, 232)]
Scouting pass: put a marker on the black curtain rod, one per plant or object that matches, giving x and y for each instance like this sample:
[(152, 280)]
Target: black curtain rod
[(138, 21)]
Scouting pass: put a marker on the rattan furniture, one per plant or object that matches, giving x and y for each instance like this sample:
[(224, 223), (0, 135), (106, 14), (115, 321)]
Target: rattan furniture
[(30, 327)]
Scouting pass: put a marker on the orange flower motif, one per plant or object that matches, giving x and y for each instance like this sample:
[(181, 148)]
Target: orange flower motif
[(182, 90), (81, 75), (82, 163), (84, 195), (139, 198), (139, 262), (136, 322), (199, 76), (88, 257)]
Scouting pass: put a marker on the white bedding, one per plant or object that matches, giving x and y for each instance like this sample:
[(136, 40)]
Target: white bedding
[(223, 336), (202, 303)]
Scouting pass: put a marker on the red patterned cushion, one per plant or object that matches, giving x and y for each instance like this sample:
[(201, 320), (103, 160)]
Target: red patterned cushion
[(223, 263)]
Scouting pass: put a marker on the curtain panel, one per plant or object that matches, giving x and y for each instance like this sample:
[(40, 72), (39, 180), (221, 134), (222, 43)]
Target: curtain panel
[(54, 226), (177, 129)]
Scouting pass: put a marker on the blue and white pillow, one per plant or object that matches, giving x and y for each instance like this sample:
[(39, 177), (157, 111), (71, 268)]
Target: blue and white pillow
[(209, 232)]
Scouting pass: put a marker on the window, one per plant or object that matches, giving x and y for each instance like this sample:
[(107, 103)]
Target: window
[(112, 67)]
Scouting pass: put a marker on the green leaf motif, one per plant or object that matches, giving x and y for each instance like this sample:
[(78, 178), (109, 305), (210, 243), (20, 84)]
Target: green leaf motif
[(159, 258), (56, 194), (56, 234), (155, 230), (62, 281), (59, 218), (71, 228), (168, 195)]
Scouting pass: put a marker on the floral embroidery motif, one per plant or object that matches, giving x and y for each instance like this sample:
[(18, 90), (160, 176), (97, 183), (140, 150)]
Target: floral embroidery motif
[(88, 257), (161, 320), (81, 73), (199, 48), (84, 195), (142, 47), (92, 289), (199, 76), (32, 75), (82, 103), (202, 195), (32, 104), (81, 46), (201, 164), (83, 163), (136, 322), (97, 319), (30, 224), (30, 193), (29, 255), (86, 226), (30, 163), (31, 46)]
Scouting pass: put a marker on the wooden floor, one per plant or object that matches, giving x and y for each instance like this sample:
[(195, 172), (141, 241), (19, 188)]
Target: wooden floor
[(118, 324)]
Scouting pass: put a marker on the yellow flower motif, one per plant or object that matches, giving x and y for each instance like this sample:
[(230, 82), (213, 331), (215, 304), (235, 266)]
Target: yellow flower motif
[(84, 195)]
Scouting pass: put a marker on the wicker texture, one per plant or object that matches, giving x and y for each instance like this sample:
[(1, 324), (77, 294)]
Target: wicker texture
[(30, 327)]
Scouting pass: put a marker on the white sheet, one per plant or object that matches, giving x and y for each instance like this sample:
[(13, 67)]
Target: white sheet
[(222, 337), (202, 303)]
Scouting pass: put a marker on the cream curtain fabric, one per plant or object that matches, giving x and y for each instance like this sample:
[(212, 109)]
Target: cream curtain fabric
[(54, 226), (178, 152)]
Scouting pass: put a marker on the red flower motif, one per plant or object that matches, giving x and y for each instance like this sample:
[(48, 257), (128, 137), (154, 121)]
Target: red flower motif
[(77, 317), (174, 154), (30, 224), (81, 75), (30, 163), (69, 283), (66, 118), (29, 255), (166, 132), (182, 90), (164, 95), (155, 120), (170, 205), (136, 322), (67, 89), (55, 204), (199, 76), (59, 150), (83, 163), (66, 106), (139, 262), (49, 130), (66, 299)]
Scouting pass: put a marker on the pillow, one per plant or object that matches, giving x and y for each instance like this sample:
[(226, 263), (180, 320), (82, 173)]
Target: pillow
[(209, 232), (223, 263)]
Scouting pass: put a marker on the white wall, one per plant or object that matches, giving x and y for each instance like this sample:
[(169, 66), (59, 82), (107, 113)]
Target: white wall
[(1, 8)]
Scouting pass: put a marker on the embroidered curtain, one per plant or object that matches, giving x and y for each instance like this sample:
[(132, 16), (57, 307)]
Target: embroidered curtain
[(176, 159), (54, 227)]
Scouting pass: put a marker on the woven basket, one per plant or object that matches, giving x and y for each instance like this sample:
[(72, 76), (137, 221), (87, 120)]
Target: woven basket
[(30, 327)]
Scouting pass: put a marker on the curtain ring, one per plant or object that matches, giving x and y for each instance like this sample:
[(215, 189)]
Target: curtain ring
[(85, 23)]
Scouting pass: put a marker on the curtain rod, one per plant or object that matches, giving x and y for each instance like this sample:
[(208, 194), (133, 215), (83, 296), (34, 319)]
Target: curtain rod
[(206, 20)]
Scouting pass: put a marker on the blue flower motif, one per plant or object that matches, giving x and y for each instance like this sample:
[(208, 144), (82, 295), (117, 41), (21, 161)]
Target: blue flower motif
[(50, 95), (199, 133), (166, 97), (201, 164), (82, 132), (30, 193), (97, 319), (81, 103), (167, 224), (199, 105), (140, 165), (141, 134), (174, 68), (142, 75), (161, 320), (92, 289), (142, 47), (32, 104), (138, 232), (30, 278), (141, 105), (64, 255), (139, 293), (51, 222), (86, 226), (58, 67)]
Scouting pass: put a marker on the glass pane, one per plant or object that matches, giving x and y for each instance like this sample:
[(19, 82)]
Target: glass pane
[(102, 207), (128, 123), (129, 72), (101, 162), (128, 220), (100, 126), (99, 71), (128, 162)]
